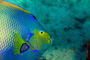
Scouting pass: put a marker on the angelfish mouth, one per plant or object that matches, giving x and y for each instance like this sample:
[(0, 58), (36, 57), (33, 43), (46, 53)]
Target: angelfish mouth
[(50, 41)]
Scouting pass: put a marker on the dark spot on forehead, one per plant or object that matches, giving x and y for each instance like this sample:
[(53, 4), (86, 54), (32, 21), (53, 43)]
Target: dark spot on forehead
[(34, 17)]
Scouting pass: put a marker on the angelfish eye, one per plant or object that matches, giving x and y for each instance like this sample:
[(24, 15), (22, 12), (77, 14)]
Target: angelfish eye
[(41, 32)]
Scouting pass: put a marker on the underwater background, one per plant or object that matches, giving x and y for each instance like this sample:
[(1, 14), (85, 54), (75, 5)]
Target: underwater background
[(68, 21)]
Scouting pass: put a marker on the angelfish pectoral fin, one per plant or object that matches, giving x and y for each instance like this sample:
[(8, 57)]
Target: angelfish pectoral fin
[(24, 48)]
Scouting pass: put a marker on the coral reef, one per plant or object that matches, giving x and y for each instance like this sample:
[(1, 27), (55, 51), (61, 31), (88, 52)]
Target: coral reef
[(88, 57), (68, 21)]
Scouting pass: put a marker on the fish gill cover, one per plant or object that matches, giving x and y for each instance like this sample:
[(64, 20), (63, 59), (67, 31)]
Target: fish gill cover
[(68, 21)]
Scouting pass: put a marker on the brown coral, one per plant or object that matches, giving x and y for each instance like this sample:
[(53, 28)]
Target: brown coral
[(88, 57)]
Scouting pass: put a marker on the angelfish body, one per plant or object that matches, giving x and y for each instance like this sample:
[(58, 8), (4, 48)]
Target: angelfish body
[(21, 35)]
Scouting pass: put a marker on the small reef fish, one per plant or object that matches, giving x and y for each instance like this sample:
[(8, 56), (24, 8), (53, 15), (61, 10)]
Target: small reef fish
[(21, 35)]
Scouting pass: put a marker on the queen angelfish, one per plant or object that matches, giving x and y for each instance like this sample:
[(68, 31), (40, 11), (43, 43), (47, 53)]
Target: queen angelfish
[(21, 35)]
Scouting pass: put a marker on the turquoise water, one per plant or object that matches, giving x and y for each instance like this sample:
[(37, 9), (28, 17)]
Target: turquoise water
[(68, 21)]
